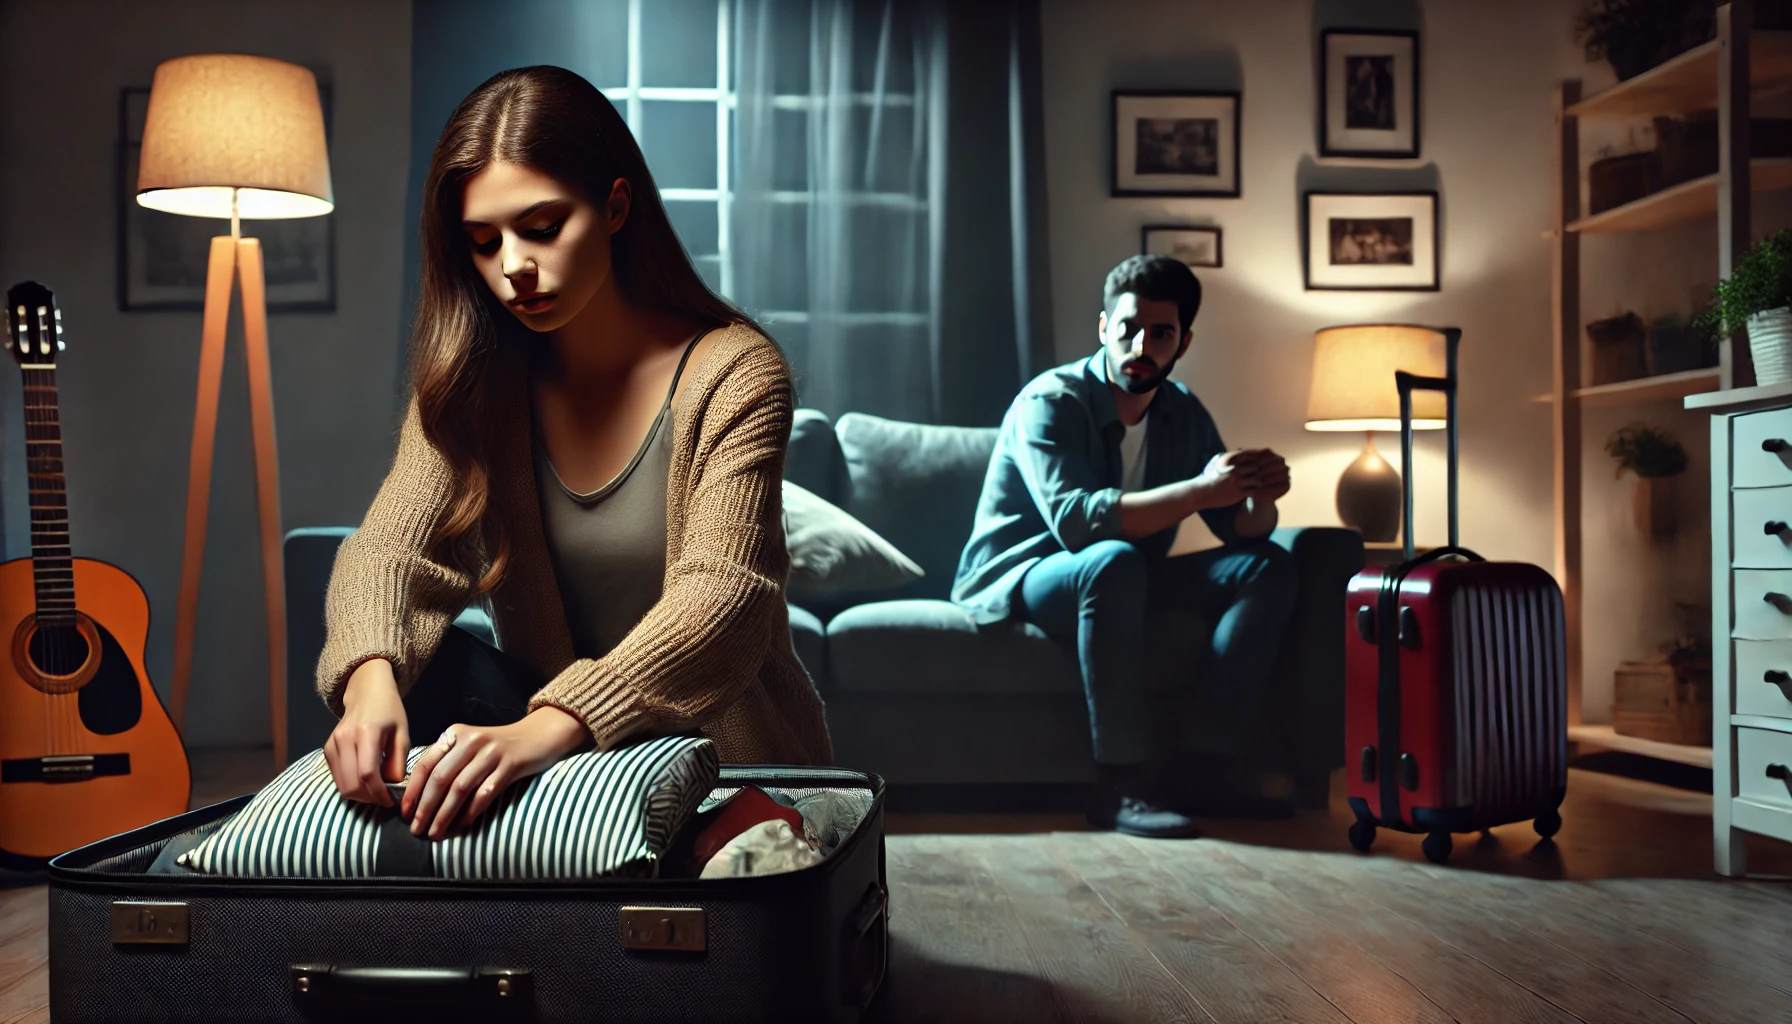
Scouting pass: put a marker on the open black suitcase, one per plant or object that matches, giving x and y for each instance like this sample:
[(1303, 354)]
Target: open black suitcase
[(808, 945)]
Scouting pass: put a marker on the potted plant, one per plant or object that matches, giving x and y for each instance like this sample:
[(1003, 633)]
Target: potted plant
[(1656, 457), (1635, 35), (1758, 294)]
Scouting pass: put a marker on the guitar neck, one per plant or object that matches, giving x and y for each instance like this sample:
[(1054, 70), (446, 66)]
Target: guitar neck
[(52, 559)]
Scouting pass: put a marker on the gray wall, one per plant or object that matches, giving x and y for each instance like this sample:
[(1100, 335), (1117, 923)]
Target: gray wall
[(128, 379)]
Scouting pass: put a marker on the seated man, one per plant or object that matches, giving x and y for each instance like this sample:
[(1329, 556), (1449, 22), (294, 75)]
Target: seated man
[(1097, 463)]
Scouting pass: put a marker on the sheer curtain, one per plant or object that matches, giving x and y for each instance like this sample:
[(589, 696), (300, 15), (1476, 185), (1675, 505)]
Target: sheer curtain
[(885, 203)]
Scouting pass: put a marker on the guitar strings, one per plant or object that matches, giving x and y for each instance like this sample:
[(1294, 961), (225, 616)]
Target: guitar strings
[(63, 730), (53, 725)]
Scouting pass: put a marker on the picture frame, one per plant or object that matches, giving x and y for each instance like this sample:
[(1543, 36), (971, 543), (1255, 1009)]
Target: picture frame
[(1383, 242), (1176, 143), (1197, 245), (1369, 93), (162, 257)]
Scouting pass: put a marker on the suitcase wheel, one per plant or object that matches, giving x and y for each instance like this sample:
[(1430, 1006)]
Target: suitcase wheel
[(1436, 847), (1548, 823), (1362, 834)]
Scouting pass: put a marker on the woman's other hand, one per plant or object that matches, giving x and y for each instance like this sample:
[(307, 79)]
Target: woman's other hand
[(367, 748), (470, 765)]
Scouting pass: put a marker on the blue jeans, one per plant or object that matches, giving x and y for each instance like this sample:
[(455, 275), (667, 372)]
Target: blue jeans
[(1100, 601)]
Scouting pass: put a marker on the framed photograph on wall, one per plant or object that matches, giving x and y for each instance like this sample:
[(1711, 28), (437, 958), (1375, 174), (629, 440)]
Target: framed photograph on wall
[(1197, 246), (1371, 242), (162, 256), (1369, 94), (1176, 144)]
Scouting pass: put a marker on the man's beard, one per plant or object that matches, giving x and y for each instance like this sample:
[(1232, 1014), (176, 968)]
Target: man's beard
[(1141, 385)]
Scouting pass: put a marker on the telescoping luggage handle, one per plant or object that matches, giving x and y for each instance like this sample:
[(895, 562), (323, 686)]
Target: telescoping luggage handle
[(1396, 767), (1407, 383)]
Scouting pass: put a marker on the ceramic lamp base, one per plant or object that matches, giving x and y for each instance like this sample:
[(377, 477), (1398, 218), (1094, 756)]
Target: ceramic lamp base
[(1369, 496)]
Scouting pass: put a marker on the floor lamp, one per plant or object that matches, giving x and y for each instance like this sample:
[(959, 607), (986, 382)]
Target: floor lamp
[(237, 137)]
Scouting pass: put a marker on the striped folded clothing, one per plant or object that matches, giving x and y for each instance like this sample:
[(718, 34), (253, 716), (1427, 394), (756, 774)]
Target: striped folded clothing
[(591, 815)]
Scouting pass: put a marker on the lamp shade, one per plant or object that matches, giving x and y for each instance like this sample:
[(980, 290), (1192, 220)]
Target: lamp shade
[(1353, 377), (219, 123)]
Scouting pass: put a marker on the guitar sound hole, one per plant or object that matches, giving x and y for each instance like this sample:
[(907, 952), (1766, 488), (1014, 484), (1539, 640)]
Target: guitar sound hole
[(58, 650)]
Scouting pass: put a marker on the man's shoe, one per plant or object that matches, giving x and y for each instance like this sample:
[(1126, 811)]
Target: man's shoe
[(1139, 817), (1124, 802)]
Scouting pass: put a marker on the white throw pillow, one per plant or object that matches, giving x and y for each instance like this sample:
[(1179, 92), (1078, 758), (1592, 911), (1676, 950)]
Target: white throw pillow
[(832, 552)]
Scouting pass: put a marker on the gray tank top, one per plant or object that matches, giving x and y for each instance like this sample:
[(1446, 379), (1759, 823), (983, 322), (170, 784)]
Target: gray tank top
[(609, 546)]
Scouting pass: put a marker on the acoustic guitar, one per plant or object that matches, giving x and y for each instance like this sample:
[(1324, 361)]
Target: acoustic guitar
[(86, 749)]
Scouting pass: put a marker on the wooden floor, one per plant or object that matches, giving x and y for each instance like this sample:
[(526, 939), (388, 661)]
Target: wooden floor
[(1036, 918)]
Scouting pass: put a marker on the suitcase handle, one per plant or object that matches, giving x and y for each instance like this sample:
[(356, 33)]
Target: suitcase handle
[(1394, 768), (340, 988), (1408, 383)]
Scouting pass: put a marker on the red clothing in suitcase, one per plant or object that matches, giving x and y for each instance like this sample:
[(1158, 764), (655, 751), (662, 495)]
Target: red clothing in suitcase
[(1455, 681)]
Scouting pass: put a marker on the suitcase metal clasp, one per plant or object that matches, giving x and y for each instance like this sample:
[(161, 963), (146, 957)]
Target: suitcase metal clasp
[(680, 929), (143, 921)]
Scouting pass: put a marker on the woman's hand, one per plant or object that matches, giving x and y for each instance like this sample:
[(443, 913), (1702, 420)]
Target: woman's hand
[(367, 748), (470, 765)]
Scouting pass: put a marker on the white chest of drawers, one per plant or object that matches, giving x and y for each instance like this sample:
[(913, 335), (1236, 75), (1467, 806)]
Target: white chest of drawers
[(1751, 612)]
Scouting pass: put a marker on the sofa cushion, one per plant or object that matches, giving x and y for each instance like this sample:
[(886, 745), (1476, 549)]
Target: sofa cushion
[(831, 552), (924, 646), (813, 460), (917, 485), (809, 639)]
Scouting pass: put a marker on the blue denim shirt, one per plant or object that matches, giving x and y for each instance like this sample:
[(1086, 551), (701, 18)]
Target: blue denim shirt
[(1054, 479)]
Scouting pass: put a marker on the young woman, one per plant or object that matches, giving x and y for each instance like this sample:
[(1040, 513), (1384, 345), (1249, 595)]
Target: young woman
[(594, 447)]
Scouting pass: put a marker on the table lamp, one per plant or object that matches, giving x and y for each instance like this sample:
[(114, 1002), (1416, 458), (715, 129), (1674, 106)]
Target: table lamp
[(239, 138), (1353, 389)]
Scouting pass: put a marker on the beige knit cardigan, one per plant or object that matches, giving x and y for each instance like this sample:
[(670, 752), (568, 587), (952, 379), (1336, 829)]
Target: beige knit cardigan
[(714, 654)]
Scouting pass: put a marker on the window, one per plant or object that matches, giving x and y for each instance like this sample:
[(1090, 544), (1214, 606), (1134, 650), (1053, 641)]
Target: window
[(660, 62), (668, 66)]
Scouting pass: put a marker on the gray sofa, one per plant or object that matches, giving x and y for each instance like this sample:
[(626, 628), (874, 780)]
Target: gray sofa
[(913, 691)]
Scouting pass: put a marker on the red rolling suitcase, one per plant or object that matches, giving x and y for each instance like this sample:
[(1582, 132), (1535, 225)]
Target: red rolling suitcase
[(1455, 680)]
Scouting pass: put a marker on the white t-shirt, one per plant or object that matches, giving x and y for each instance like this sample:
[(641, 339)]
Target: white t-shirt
[(1132, 456)]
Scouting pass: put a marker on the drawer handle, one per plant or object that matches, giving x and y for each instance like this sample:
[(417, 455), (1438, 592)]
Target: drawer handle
[(1779, 601), (1774, 444), (1779, 771), (1773, 528), (1780, 679)]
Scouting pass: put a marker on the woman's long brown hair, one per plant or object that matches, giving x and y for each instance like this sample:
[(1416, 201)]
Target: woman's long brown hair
[(554, 121)]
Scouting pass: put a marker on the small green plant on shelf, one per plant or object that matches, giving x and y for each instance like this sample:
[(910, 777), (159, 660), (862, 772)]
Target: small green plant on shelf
[(1648, 451), (1761, 280)]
